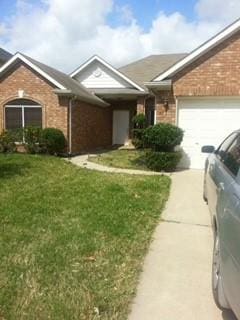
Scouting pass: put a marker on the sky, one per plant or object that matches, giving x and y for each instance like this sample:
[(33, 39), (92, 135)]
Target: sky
[(64, 33)]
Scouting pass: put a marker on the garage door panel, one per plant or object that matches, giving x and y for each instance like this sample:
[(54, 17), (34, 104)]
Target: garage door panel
[(205, 121)]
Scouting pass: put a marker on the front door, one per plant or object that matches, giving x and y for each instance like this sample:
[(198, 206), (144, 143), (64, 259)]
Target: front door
[(120, 127)]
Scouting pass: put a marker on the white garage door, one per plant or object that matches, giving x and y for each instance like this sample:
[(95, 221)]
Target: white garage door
[(205, 122)]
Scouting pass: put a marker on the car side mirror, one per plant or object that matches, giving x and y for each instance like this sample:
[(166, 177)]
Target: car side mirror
[(208, 149)]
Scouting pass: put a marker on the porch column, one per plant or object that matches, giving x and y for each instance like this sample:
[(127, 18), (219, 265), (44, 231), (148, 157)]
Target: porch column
[(141, 105)]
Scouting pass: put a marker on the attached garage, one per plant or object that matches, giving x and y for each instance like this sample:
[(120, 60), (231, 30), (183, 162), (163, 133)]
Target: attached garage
[(205, 121)]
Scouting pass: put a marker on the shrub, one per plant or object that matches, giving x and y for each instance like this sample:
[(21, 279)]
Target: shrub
[(32, 137), (7, 142), (137, 140), (162, 161), (163, 137), (139, 121), (52, 141)]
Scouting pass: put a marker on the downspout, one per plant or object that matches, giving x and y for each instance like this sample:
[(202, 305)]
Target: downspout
[(70, 106)]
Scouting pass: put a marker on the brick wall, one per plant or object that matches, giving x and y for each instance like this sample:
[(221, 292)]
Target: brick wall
[(217, 73), (21, 77), (141, 105), (165, 107), (91, 127)]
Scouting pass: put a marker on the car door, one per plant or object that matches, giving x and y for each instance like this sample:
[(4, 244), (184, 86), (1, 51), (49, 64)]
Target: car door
[(228, 221), (215, 174)]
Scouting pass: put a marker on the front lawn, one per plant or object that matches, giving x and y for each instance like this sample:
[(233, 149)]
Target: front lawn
[(72, 241), (127, 159)]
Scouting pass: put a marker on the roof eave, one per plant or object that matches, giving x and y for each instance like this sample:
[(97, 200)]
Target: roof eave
[(195, 54), (69, 93), (160, 85)]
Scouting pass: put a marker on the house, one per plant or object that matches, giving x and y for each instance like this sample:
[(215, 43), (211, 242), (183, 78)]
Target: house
[(32, 93), (200, 92), (94, 105)]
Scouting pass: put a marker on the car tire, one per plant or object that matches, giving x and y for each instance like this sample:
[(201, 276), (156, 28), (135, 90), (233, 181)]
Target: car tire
[(217, 283)]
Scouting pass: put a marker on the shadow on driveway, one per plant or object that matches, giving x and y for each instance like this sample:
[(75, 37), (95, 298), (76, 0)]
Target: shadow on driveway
[(228, 315)]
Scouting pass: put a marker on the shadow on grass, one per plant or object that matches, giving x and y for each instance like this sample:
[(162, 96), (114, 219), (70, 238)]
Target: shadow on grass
[(9, 170), (139, 162)]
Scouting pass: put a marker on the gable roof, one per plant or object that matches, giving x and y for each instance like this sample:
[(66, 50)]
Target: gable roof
[(4, 55), (146, 69), (205, 47), (110, 67), (62, 81)]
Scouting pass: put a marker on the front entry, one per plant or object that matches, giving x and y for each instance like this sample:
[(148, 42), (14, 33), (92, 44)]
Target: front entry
[(120, 127)]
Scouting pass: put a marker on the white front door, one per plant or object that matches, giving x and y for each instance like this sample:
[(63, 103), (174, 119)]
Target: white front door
[(120, 126), (205, 121)]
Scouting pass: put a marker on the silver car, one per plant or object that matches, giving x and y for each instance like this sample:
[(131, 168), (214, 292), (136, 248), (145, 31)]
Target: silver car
[(222, 193)]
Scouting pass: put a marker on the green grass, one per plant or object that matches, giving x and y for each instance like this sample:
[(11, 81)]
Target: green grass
[(127, 159), (72, 241)]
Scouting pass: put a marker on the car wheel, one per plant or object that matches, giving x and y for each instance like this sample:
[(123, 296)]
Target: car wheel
[(217, 285)]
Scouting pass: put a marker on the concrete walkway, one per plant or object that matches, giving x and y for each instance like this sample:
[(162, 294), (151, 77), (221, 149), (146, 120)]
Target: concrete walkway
[(82, 161), (176, 280)]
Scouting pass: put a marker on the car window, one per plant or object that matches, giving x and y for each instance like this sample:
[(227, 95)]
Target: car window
[(225, 145), (231, 158)]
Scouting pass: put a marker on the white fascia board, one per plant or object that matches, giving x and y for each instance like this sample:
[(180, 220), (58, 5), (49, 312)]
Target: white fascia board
[(200, 50), (33, 66), (107, 65)]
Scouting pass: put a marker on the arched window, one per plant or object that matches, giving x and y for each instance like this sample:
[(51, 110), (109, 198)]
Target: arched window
[(22, 113)]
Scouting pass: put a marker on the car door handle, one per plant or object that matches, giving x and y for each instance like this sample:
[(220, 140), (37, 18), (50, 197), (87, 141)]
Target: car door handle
[(220, 187)]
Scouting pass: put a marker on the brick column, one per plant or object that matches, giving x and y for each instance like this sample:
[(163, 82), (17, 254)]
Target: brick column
[(141, 105), (166, 107)]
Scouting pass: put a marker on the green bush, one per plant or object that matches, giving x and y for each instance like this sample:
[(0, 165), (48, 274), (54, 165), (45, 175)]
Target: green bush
[(52, 141), (137, 140), (32, 137), (7, 142), (162, 161), (139, 121), (163, 137)]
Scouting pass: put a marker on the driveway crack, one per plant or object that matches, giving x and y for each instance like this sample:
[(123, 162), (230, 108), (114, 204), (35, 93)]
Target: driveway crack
[(186, 223)]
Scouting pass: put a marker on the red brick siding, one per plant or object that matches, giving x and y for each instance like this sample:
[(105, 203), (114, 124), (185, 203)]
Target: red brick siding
[(217, 73), (91, 127), (165, 114), (21, 77), (141, 105)]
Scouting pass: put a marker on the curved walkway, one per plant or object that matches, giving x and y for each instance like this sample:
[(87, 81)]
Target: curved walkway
[(82, 161)]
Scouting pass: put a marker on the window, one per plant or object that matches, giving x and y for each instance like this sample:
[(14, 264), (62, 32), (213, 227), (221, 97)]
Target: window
[(21, 114), (231, 158), (225, 145)]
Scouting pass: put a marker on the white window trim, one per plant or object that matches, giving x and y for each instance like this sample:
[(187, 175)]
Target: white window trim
[(22, 107)]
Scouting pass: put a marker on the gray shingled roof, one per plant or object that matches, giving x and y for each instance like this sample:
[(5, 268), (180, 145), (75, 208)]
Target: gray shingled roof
[(4, 55), (70, 84), (147, 69)]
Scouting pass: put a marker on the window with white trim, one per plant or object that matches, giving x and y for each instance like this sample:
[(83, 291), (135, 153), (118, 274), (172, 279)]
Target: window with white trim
[(22, 113)]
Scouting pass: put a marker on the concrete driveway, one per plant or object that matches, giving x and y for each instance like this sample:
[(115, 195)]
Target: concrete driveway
[(176, 280)]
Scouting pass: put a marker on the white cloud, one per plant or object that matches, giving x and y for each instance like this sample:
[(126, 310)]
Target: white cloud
[(219, 11), (65, 33)]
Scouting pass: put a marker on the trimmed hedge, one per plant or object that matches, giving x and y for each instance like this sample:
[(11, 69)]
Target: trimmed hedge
[(52, 141), (163, 137), (162, 161)]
